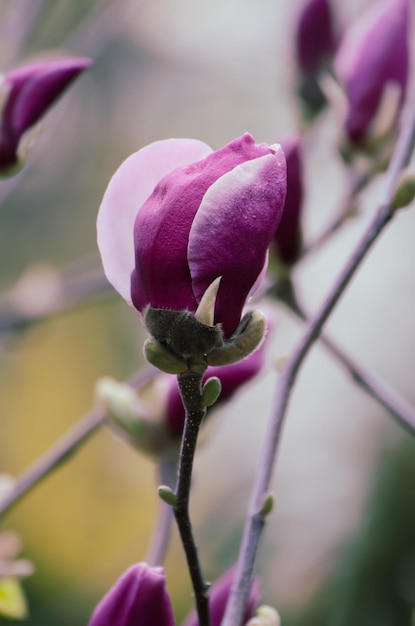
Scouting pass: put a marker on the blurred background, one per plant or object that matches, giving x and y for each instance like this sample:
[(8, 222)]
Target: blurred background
[(339, 548)]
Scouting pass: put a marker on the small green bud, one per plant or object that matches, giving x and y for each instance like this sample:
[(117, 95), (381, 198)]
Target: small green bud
[(268, 505), (247, 337), (129, 417), (163, 358), (182, 333), (167, 495), (211, 391), (266, 616), (405, 193), (120, 400)]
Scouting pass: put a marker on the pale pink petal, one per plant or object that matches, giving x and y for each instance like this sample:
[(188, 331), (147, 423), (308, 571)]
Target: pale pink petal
[(232, 230), (128, 189)]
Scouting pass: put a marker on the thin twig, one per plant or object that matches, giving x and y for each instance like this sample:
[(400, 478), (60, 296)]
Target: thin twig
[(190, 390), (398, 407), (78, 285), (255, 519), (347, 209), (64, 448)]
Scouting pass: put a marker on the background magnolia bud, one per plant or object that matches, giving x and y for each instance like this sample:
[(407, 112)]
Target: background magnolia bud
[(27, 94)]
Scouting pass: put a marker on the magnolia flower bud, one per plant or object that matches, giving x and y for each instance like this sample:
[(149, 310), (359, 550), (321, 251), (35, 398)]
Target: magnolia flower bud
[(287, 238), (27, 94), (140, 598), (196, 215), (374, 54), (315, 43)]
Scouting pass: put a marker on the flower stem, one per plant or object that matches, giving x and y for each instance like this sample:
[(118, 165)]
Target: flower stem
[(255, 520), (190, 390), (64, 448)]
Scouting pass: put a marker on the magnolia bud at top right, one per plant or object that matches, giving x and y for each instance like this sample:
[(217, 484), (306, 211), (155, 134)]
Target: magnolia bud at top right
[(372, 64)]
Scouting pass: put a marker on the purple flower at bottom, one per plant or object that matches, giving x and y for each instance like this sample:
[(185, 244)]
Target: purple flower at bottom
[(373, 54), (177, 215), (28, 93), (140, 598), (219, 598)]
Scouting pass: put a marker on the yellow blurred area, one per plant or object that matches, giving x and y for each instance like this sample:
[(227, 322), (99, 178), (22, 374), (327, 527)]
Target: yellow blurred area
[(104, 496)]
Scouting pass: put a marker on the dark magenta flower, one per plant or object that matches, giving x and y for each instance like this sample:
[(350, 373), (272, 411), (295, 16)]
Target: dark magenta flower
[(28, 92), (176, 216), (232, 377), (315, 38), (287, 238), (140, 598), (219, 597), (315, 41), (373, 55)]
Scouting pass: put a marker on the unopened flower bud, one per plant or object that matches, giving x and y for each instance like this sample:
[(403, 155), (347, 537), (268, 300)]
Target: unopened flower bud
[(266, 616), (130, 418), (374, 54), (27, 93), (211, 391), (405, 193), (196, 215), (315, 44)]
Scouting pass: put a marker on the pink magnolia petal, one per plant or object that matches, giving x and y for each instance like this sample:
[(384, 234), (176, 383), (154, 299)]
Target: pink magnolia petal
[(161, 276), (232, 230), (373, 52), (128, 189), (138, 598), (41, 84), (219, 596)]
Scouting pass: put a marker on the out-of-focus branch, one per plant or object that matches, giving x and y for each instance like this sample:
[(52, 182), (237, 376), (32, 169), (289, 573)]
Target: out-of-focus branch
[(64, 448), (256, 519), (359, 181), (43, 292), (398, 407)]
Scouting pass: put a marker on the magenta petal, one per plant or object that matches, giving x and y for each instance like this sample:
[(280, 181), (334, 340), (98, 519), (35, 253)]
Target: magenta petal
[(127, 191), (44, 84), (138, 598), (373, 53), (219, 596), (232, 230), (315, 36), (33, 89), (161, 276), (288, 235)]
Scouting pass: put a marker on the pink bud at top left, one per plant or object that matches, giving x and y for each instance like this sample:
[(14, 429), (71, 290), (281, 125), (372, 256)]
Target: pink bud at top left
[(27, 93)]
